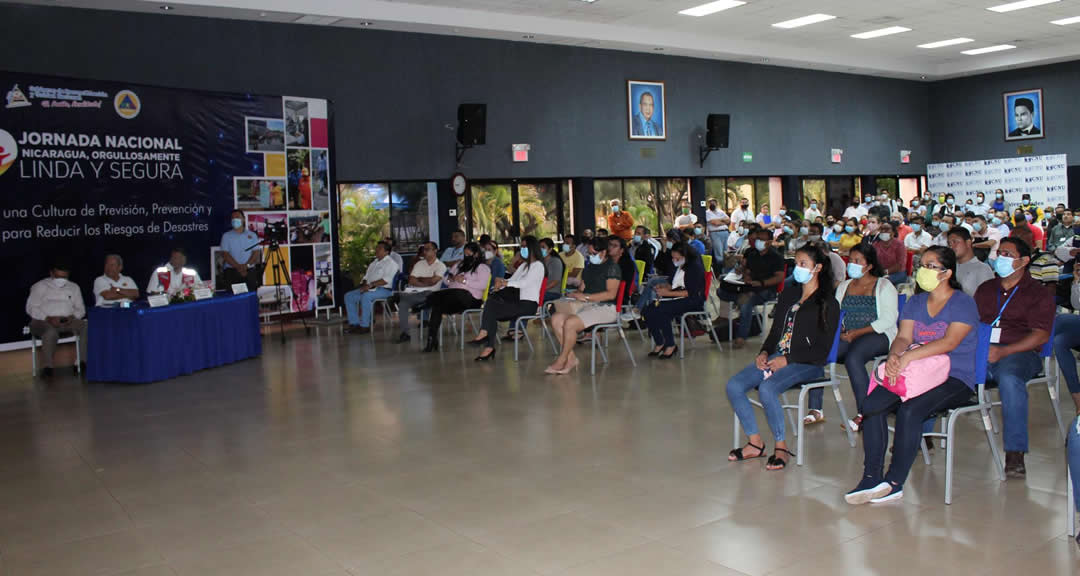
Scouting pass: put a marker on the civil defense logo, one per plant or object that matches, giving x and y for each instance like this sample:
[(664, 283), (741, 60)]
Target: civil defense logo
[(127, 104), (9, 151)]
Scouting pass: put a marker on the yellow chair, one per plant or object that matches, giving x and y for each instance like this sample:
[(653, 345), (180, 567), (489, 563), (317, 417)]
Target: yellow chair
[(565, 277), (707, 261), (640, 271)]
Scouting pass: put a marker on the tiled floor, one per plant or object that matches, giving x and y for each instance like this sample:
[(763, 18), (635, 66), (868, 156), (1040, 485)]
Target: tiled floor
[(335, 455)]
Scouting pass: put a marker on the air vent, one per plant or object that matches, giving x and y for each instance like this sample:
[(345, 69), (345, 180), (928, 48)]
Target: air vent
[(316, 20)]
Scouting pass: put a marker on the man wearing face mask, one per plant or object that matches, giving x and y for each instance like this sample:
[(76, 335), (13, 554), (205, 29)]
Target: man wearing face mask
[(644, 250), (620, 222), (980, 207), (892, 258), (986, 239), (573, 260), (812, 211), (762, 272), (717, 222), (1062, 232), (586, 241), (737, 240), (742, 215), (917, 207), (1021, 314), (686, 220), (1025, 207), (243, 255), (174, 276), (55, 307), (944, 225)]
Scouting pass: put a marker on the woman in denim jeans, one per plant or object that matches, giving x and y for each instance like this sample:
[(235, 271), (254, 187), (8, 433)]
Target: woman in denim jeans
[(795, 352)]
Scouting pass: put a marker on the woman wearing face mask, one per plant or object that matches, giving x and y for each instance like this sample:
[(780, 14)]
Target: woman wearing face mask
[(794, 352), (593, 304), (511, 298), (870, 305), (850, 237), (943, 320), (465, 289), (686, 288), (665, 268), (763, 218), (836, 231), (493, 259), (999, 201)]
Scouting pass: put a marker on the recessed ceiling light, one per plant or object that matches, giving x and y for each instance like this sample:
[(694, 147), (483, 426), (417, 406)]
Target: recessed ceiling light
[(944, 43), (1020, 5), (166, 7), (262, 14), (805, 20), (1066, 21), (882, 32), (988, 49), (588, 1), (711, 7)]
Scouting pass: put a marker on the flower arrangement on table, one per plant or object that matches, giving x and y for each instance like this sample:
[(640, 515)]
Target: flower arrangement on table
[(187, 294)]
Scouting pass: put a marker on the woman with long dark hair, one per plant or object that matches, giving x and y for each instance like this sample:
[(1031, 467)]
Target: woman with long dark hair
[(685, 291), (518, 296), (942, 320), (794, 352), (465, 289)]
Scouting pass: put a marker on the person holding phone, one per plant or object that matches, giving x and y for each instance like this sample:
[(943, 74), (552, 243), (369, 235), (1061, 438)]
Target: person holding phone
[(55, 307)]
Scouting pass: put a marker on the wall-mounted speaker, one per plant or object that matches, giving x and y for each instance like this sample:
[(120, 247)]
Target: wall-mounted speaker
[(472, 124), (719, 126)]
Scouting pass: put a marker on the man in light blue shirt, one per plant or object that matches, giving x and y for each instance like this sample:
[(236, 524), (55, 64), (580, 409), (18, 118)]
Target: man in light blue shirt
[(456, 251), (242, 253)]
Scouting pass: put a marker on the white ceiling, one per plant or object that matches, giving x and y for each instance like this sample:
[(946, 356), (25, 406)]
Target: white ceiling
[(741, 34)]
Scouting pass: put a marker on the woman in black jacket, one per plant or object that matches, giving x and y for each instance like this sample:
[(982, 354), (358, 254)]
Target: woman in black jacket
[(687, 286), (795, 352)]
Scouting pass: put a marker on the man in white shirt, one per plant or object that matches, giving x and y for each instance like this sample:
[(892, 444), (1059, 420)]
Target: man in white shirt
[(113, 288), (741, 215), (737, 239), (970, 271), (717, 222), (990, 236), (812, 213), (55, 307), (426, 276), (377, 284), (980, 207), (918, 240), (687, 219), (855, 211), (173, 277)]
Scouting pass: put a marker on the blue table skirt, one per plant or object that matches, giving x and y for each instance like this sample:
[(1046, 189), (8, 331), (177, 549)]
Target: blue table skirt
[(142, 344)]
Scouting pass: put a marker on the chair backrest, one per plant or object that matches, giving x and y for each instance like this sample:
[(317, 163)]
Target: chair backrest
[(909, 264), (982, 352), (487, 290), (780, 287), (901, 299), (836, 339), (395, 284), (565, 276), (543, 290), (708, 285), (706, 261), (640, 270), (619, 296), (1047, 349)]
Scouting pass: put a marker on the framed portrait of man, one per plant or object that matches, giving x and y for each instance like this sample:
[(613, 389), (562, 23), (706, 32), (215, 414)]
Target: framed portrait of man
[(646, 118), (1024, 115)]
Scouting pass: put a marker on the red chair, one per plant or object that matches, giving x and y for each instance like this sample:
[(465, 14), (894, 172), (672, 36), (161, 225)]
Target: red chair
[(617, 325), (521, 325), (910, 263)]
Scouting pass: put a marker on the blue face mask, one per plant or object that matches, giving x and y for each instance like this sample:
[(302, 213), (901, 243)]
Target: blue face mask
[(543, 252), (595, 259), (802, 275), (854, 271), (697, 231), (759, 245), (996, 221), (787, 229), (525, 252), (637, 238), (949, 201), (977, 226), (916, 227), (615, 209), (849, 229), (944, 226), (669, 244), (1003, 266), (237, 222)]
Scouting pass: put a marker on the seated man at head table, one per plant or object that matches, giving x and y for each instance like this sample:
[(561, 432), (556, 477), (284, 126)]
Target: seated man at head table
[(173, 276), (55, 307), (113, 288)]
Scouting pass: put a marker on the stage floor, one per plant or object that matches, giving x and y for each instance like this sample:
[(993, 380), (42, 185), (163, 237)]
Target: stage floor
[(335, 455)]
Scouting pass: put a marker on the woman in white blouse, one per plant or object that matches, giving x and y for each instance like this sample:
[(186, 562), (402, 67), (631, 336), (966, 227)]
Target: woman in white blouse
[(518, 296)]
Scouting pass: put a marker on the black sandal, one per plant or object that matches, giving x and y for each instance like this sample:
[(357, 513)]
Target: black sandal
[(779, 462), (737, 453)]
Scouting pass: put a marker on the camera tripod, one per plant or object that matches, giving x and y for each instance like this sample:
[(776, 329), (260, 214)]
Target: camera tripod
[(276, 261)]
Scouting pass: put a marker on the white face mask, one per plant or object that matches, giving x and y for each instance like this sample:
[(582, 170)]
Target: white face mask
[(488, 254), (59, 282), (595, 258), (885, 236)]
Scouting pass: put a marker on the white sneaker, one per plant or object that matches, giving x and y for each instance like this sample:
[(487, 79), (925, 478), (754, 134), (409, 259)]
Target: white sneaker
[(892, 495), (869, 495)]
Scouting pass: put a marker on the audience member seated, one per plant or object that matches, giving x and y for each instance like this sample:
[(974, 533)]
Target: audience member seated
[(970, 271), (113, 288), (1073, 456), (794, 352), (1023, 232), (1021, 312), (850, 237), (839, 268), (493, 258), (584, 242), (456, 251), (572, 259), (174, 276), (393, 253), (464, 290), (55, 307), (377, 285), (690, 236), (518, 296), (987, 237), (836, 231), (942, 320), (644, 250), (872, 228), (620, 222), (1067, 338), (891, 256), (554, 267), (425, 277), (686, 287), (736, 241), (593, 304), (664, 268), (919, 239), (1061, 232), (762, 272), (870, 303)]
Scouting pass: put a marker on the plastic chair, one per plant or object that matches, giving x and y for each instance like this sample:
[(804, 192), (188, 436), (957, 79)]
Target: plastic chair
[(804, 400), (1070, 524), (35, 342), (706, 260), (467, 314), (387, 314), (617, 325), (761, 315), (703, 313), (521, 324), (640, 272), (1043, 377)]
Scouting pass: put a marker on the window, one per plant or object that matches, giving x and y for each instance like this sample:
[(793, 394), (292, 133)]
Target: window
[(538, 209), (640, 203), (813, 189), (365, 219), (889, 184), (409, 214), (652, 203), (492, 212), (604, 191)]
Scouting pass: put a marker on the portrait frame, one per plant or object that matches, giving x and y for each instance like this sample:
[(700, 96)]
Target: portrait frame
[(634, 91), (1008, 102)]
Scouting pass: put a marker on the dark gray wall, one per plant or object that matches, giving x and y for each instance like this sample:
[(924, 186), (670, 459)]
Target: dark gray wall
[(394, 92), (967, 113)]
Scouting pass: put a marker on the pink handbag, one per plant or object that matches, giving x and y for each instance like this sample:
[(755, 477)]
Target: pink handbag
[(919, 377)]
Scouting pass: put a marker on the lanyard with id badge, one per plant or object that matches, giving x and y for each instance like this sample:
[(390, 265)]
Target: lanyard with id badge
[(995, 330)]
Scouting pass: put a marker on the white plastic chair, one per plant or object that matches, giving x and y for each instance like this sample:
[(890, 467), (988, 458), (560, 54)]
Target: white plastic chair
[(521, 325), (35, 342), (617, 325), (1046, 353), (703, 313)]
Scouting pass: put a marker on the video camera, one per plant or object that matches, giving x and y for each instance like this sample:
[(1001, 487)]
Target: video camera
[(276, 232)]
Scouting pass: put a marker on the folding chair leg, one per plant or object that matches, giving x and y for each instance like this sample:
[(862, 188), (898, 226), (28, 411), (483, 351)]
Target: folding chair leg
[(950, 453), (682, 337), (843, 412), (1052, 388), (926, 453), (592, 345), (550, 338), (995, 452), (1070, 525), (800, 443), (626, 344), (78, 355), (735, 441), (791, 419)]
